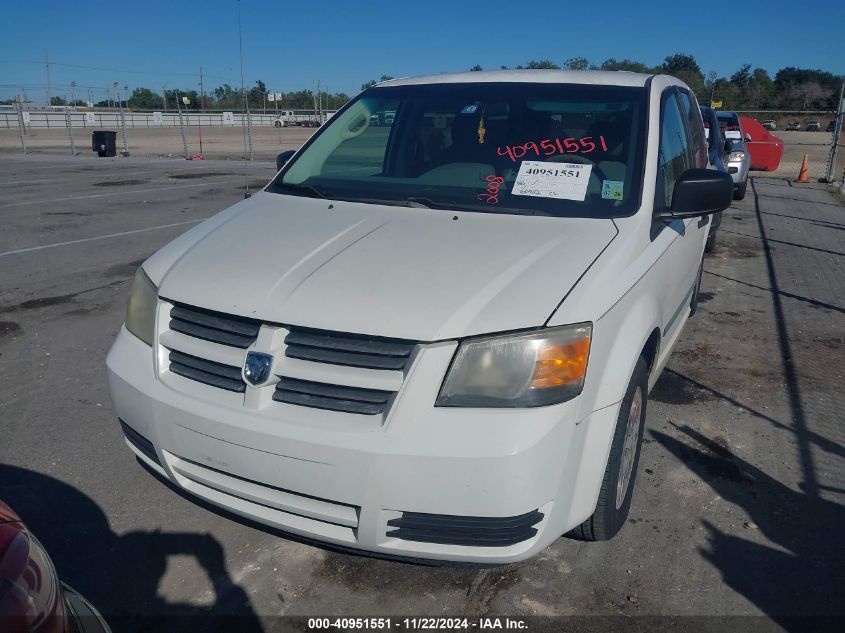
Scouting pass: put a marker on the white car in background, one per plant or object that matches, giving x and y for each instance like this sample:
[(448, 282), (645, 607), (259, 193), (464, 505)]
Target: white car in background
[(435, 339)]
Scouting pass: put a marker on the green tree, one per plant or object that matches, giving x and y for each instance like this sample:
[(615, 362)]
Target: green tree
[(540, 65), (144, 99), (373, 82), (806, 89), (625, 64), (57, 101), (228, 98), (177, 93), (578, 63), (685, 68), (476, 68)]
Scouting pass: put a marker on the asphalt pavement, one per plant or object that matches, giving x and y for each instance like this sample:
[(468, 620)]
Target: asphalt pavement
[(738, 508)]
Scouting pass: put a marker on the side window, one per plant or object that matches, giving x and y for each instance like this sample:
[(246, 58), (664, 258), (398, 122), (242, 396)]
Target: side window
[(675, 156), (696, 129)]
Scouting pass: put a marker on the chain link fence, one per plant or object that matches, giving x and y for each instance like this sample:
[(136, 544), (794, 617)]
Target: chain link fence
[(213, 134), (258, 136)]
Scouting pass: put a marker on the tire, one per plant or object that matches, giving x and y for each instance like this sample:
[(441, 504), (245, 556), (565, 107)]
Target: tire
[(710, 244), (693, 303), (615, 496), (739, 192), (278, 124)]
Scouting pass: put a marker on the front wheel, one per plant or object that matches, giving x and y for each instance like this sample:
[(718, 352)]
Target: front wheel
[(739, 191), (710, 244), (278, 124), (617, 487)]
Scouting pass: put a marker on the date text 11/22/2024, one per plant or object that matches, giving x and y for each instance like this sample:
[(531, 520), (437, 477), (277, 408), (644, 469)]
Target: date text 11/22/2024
[(418, 624)]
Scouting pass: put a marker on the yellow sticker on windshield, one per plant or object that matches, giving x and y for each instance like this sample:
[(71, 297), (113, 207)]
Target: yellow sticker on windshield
[(481, 131)]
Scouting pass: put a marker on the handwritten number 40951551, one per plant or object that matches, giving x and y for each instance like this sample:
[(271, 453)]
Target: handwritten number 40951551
[(550, 147)]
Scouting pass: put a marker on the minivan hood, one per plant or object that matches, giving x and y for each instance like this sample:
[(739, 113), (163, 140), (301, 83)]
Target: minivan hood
[(419, 274)]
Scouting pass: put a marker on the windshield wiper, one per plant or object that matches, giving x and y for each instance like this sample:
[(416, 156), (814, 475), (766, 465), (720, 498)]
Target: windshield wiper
[(309, 190), (428, 203)]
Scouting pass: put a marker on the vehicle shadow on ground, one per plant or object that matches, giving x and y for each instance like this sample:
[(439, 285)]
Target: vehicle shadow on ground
[(120, 574), (801, 569)]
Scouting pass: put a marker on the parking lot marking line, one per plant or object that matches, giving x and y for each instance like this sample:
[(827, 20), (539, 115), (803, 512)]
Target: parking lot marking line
[(121, 193), (99, 237), (100, 174)]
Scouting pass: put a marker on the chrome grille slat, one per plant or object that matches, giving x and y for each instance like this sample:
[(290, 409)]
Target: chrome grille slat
[(348, 349), (214, 326), (206, 371), (331, 397)]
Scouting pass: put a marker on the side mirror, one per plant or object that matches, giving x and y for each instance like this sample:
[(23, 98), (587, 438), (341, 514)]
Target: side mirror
[(283, 158), (699, 192), (747, 138)]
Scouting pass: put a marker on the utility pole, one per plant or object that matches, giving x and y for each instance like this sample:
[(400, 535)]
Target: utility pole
[(202, 93), (164, 96), (49, 83)]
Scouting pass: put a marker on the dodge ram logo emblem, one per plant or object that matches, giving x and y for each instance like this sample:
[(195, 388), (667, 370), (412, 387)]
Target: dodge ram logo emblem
[(257, 368)]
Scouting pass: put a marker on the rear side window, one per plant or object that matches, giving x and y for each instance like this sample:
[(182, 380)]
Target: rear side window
[(696, 129), (675, 157)]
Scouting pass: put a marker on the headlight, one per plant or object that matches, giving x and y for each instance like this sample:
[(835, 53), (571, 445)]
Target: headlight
[(736, 156), (518, 370), (141, 307)]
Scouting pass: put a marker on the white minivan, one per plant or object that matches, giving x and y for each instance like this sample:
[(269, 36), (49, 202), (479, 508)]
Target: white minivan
[(431, 338)]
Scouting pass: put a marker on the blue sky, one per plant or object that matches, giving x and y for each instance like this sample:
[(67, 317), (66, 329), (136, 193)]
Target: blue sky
[(289, 45)]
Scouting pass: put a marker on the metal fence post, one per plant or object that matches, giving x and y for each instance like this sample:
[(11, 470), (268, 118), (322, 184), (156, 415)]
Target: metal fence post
[(837, 131), (20, 126), (249, 133), (69, 124), (182, 127), (125, 151)]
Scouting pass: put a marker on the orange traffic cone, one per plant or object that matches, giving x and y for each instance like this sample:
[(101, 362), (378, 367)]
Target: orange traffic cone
[(802, 175)]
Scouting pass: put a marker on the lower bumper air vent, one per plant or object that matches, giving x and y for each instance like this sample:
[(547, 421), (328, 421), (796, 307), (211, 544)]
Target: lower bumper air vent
[(465, 530), (139, 441)]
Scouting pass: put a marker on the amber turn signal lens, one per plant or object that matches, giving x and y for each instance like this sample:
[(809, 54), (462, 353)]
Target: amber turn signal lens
[(561, 364)]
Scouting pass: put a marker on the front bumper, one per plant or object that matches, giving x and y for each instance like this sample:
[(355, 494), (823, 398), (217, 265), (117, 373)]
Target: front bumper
[(738, 169), (325, 476)]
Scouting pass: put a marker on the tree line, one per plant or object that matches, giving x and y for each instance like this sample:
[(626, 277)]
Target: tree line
[(225, 97), (746, 89), (749, 88)]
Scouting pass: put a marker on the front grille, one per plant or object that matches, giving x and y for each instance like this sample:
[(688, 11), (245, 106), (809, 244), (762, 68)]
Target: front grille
[(139, 441), (465, 530), (348, 349), (216, 327), (332, 397), (323, 363), (206, 371)]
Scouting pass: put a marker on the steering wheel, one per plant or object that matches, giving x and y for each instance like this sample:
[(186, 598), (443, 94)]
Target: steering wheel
[(357, 126)]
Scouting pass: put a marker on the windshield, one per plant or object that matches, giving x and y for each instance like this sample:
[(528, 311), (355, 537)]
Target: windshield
[(730, 126), (525, 148)]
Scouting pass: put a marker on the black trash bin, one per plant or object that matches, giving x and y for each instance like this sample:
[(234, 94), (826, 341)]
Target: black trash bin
[(104, 142)]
